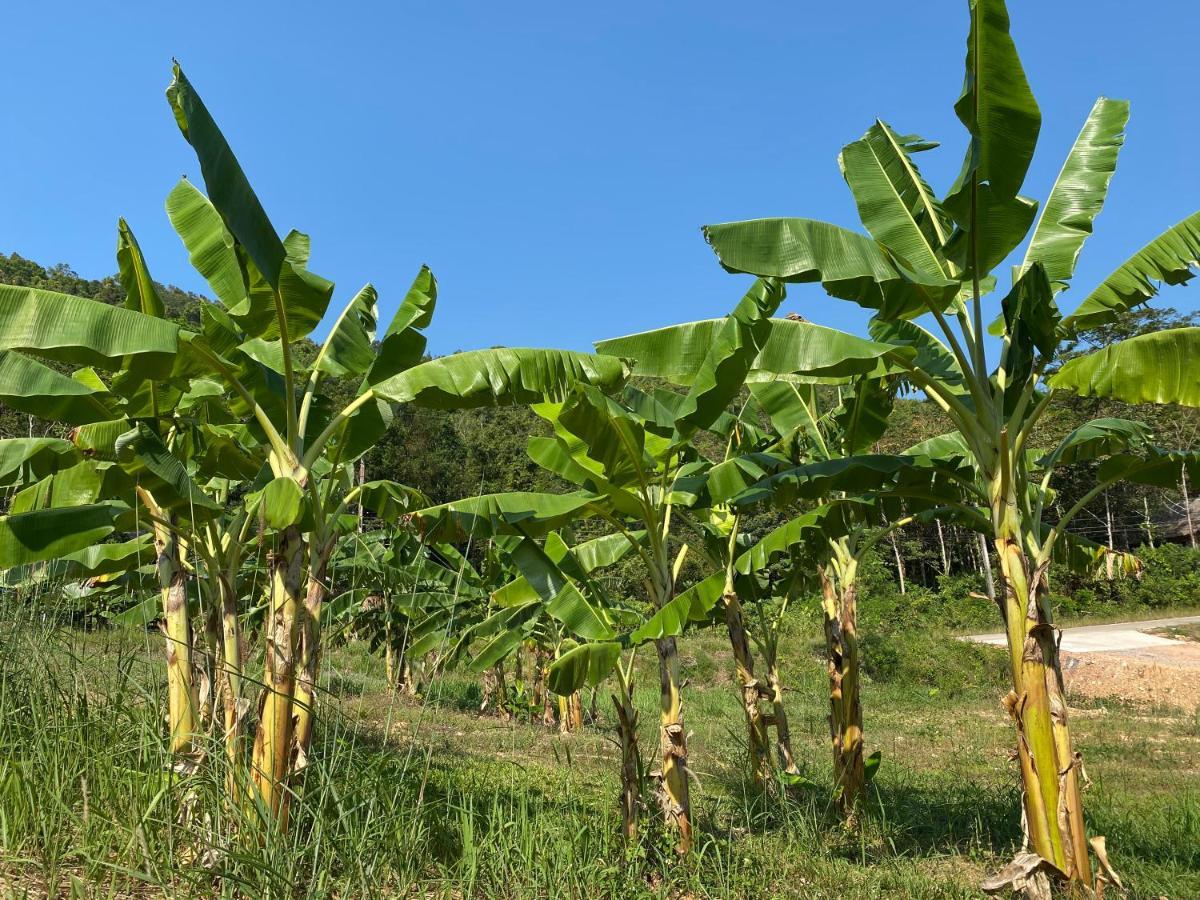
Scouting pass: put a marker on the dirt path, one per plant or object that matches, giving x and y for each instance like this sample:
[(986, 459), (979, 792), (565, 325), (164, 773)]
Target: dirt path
[(1124, 662), (1106, 638)]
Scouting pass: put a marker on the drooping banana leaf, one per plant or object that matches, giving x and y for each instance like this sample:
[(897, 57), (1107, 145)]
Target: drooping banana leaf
[(1159, 367), (145, 457), (495, 514), (849, 265), (932, 356), (500, 376), (1168, 259), (50, 533), (588, 664), (678, 351), (862, 418), (725, 366), (1097, 438), (33, 388), (85, 332), (25, 460), (390, 500)]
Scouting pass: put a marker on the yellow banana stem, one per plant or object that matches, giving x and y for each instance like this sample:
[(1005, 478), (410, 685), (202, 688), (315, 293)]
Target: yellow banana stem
[(674, 797), (1049, 768), (273, 742)]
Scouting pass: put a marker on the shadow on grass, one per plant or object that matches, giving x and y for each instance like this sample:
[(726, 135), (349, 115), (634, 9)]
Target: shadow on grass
[(902, 816)]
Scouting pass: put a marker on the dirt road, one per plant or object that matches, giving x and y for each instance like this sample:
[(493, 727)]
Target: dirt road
[(1123, 661), (1107, 638)]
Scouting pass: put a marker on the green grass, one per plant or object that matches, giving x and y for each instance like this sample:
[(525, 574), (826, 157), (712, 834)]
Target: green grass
[(1180, 632), (430, 798)]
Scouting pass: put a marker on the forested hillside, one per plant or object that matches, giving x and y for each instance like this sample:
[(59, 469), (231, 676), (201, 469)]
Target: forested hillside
[(449, 455)]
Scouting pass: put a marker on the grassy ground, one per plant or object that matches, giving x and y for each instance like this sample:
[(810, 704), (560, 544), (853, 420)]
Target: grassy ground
[(1180, 632), (1137, 614), (430, 798)]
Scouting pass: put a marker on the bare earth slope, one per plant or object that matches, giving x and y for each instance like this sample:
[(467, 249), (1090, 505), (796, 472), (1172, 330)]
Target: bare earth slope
[(1125, 661)]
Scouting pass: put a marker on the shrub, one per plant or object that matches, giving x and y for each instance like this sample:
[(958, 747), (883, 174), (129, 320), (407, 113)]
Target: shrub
[(933, 658)]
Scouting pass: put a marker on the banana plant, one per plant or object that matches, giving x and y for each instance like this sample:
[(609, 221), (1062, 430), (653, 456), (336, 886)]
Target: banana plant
[(383, 583), (814, 436), (809, 454), (553, 597), (722, 536), (244, 358), (923, 255), (792, 432), (635, 468), (558, 600), (270, 301), (937, 478)]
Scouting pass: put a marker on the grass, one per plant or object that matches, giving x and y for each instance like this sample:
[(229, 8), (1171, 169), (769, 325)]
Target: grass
[(1190, 632), (429, 798), (1135, 614)]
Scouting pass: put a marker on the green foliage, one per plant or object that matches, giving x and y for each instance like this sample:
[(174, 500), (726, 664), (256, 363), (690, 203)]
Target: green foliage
[(1170, 579), (933, 658)]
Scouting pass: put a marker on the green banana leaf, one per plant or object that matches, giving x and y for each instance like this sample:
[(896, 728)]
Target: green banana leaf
[(140, 293), (729, 359), (500, 376), (586, 664), (302, 295), (490, 515), (50, 533), (1152, 368), (209, 244), (85, 332), (24, 460), (1097, 438), (894, 202), (677, 352), (998, 109), (1168, 259), (847, 264), (144, 456), (1079, 191), (31, 388), (403, 345)]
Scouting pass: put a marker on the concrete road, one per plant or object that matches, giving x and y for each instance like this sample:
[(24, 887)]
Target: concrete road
[(1113, 637)]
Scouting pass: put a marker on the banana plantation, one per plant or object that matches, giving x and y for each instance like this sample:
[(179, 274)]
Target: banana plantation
[(721, 484)]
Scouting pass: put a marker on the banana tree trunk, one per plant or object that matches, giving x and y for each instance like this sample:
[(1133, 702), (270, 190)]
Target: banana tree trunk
[(563, 714), (575, 711), (1037, 703), (673, 795), (547, 698), (779, 718), (177, 629), (839, 604), (631, 759), (408, 675), (757, 738), (310, 654), (273, 743), (210, 686), (389, 660), (230, 677), (495, 691)]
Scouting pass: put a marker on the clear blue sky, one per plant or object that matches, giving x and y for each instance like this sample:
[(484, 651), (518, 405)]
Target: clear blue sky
[(553, 161)]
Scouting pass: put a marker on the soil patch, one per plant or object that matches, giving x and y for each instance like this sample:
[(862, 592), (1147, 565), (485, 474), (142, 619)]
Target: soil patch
[(1151, 676)]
